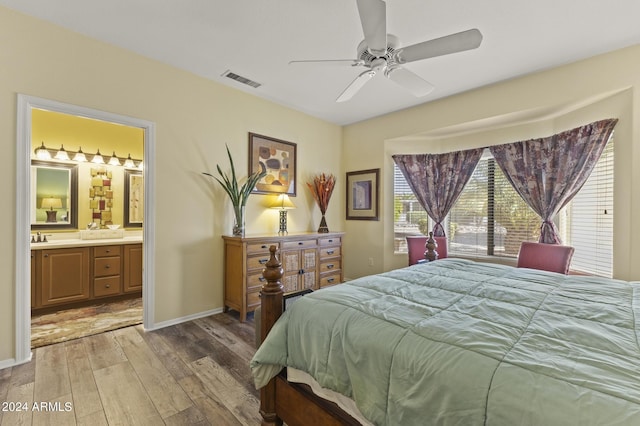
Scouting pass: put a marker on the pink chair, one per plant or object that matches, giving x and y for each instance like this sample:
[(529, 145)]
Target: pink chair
[(416, 247), (546, 257)]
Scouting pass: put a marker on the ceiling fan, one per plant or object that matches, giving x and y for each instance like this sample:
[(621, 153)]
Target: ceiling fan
[(379, 52)]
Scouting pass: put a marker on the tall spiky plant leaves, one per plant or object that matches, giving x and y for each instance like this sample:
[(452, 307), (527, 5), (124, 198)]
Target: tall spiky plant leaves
[(238, 195)]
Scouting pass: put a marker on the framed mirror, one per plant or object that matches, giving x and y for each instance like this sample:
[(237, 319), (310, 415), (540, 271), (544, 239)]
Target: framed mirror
[(133, 199), (54, 195)]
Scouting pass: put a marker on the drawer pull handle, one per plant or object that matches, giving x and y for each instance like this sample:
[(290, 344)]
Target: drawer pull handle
[(330, 251), (261, 279), (330, 280), (262, 261), (108, 251), (107, 266), (263, 246), (330, 241), (330, 266), (107, 286), (300, 243)]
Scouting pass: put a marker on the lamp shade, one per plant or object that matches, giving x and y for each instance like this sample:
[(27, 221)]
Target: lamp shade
[(282, 202), (51, 203)]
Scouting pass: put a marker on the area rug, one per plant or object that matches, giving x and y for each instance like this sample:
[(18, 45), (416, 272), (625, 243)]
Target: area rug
[(71, 324)]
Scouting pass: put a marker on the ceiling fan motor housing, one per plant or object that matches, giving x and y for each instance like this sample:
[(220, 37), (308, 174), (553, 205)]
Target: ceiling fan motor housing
[(365, 55)]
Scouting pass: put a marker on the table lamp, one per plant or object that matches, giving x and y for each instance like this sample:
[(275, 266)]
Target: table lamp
[(283, 203), (51, 204)]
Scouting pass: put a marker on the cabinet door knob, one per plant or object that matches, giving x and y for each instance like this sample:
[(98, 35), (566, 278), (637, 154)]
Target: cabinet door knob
[(46, 255), (107, 286)]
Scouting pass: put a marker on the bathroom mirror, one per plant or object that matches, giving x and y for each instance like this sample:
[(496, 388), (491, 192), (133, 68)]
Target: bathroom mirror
[(133, 199), (54, 195)]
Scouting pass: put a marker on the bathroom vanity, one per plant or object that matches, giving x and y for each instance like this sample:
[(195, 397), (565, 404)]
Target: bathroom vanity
[(69, 272)]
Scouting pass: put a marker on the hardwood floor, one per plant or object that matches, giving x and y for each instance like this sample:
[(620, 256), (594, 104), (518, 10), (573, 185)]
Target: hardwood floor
[(196, 373)]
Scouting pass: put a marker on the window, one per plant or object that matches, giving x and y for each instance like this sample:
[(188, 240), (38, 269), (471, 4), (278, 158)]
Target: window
[(589, 219), (491, 219)]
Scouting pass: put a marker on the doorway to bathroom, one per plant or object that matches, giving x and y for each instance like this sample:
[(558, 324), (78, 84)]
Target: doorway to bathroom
[(110, 208)]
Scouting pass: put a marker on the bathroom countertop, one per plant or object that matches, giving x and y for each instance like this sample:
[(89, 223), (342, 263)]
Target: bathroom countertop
[(77, 242)]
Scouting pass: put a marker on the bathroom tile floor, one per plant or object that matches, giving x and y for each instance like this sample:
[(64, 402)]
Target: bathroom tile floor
[(86, 321)]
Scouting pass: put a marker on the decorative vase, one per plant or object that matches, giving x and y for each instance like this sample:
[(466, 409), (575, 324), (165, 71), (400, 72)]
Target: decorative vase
[(238, 221), (323, 229)]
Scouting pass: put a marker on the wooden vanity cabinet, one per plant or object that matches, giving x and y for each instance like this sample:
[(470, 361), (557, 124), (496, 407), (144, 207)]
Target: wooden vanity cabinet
[(107, 271), (132, 271), (309, 260), (64, 275), (70, 275)]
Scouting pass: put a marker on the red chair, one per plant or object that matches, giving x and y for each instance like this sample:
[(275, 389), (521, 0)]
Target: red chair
[(416, 247), (546, 257)]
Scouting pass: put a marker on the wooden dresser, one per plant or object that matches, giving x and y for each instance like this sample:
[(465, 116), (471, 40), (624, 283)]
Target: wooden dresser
[(310, 260)]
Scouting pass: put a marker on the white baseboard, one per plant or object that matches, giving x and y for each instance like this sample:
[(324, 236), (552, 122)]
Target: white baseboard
[(11, 362), (180, 320)]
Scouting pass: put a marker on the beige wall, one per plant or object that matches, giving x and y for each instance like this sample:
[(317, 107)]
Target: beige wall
[(532, 106), (194, 120)]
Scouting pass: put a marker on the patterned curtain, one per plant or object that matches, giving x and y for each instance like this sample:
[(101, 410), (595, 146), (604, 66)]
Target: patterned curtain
[(438, 179), (548, 172)]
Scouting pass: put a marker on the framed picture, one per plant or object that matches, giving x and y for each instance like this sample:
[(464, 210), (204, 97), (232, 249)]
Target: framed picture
[(133, 199), (362, 195), (278, 159)]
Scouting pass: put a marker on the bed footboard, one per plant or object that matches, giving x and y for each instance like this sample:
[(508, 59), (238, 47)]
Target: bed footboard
[(271, 309), (279, 399)]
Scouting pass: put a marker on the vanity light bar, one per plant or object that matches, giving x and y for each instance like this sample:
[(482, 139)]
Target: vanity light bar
[(44, 153)]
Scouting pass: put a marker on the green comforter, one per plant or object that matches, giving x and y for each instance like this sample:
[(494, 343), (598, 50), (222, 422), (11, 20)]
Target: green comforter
[(465, 343)]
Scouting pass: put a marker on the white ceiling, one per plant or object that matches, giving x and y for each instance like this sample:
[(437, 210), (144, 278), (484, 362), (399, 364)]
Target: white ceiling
[(257, 38)]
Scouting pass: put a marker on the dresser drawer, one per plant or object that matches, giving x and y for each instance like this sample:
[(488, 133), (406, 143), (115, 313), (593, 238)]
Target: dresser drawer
[(330, 279), (255, 280), (261, 247), (329, 241), (105, 266), (330, 266), (102, 251), (257, 262), (253, 299), (330, 252), (107, 286), (299, 244)]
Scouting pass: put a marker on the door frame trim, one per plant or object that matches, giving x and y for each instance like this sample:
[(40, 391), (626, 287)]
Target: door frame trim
[(23, 227)]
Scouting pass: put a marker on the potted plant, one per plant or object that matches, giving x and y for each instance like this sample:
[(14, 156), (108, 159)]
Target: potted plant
[(239, 194)]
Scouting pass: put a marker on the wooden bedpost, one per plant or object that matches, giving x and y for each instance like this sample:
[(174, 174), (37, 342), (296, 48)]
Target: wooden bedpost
[(271, 300)]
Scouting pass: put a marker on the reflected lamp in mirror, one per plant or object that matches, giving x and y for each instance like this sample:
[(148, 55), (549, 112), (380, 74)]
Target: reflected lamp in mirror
[(49, 204), (282, 203)]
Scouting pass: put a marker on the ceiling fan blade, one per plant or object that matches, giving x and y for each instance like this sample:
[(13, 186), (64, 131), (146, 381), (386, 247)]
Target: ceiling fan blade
[(458, 42), (373, 15), (410, 81), (355, 85), (351, 62)]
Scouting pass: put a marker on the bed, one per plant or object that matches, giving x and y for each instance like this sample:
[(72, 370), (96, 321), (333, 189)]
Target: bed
[(453, 342)]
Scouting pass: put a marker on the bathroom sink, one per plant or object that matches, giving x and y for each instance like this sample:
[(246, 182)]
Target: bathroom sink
[(101, 234)]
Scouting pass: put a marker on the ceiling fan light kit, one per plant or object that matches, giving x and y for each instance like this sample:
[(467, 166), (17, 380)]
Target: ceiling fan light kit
[(380, 53)]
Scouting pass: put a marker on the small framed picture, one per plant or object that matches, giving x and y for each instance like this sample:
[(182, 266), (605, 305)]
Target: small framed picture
[(362, 195), (277, 158)]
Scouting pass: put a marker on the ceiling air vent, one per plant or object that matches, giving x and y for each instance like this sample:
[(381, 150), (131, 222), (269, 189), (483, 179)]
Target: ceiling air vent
[(241, 79)]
